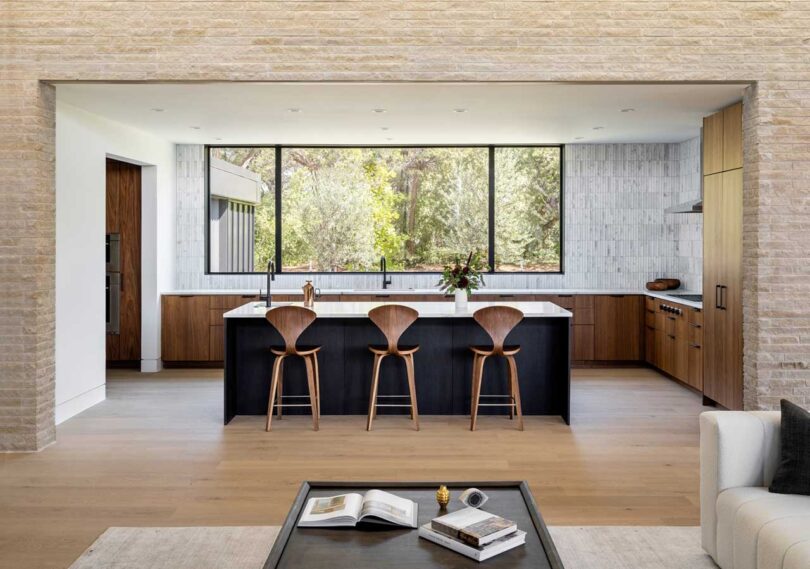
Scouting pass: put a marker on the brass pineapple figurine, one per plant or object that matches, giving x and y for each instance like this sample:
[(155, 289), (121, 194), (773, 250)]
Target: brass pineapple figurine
[(443, 496)]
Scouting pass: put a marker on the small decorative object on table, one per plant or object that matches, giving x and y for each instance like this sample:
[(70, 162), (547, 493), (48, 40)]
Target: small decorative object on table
[(463, 279), (473, 497), (443, 496)]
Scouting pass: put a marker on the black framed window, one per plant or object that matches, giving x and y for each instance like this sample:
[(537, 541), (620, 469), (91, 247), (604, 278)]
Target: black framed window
[(339, 209)]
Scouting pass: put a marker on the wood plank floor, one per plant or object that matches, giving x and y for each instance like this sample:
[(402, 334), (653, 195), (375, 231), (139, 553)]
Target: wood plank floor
[(155, 453)]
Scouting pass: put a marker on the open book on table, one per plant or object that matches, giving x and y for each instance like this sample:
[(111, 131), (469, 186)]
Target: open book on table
[(375, 506)]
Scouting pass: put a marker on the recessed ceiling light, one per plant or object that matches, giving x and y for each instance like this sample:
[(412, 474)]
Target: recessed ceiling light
[(388, 138), (294, 110), (383, 128), (578, 137), (194, 127), (598, 128), (460, 110), (217, 138), (628, 110), (378, 111), (158, 109)]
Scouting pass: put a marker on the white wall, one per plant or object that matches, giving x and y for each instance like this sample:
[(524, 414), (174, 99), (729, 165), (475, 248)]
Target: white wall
[(616, 234), (83, 141)]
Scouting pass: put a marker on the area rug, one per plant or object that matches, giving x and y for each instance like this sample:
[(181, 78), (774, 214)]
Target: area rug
[(590, 547)]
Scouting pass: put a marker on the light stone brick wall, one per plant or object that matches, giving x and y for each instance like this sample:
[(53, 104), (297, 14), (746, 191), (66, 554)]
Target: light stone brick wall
[(616, 234), (767, 42)]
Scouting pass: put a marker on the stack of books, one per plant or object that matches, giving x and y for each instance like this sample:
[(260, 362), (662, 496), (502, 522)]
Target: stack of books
[(474, 533)]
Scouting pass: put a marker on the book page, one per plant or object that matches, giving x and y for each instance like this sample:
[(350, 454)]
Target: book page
[(388, 507), (344, 508)]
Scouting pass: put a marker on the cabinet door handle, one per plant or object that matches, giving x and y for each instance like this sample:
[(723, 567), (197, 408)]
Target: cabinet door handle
[(506, 296), (696, 346), (651, 328), (671, 318), (723, 295), (617, 296), (671, 336), (717, 296), (694, 325)]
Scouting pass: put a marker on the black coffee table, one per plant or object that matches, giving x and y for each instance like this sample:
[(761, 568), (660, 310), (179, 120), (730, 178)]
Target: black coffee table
[(402, 548)]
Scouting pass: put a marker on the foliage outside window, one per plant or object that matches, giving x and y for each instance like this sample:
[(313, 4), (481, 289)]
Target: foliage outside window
[(342, 208)]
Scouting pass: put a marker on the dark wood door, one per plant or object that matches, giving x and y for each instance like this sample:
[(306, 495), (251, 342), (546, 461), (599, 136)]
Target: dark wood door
[(123, 216), (618, 327)]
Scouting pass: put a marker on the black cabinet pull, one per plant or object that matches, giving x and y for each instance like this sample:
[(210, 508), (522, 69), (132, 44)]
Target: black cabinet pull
[(694, 325), (717, 296), (382, 296), (671, 336), (506, 296), (617, 295), (565, 295)]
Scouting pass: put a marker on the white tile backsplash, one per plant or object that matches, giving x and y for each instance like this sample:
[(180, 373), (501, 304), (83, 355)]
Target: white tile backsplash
[(616, 234)]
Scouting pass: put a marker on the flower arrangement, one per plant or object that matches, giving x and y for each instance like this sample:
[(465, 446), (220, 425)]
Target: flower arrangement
[(467, 277)]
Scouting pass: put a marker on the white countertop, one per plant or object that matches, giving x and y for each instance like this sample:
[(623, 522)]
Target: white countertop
[(348, 309), (391, 291), (664, 296)]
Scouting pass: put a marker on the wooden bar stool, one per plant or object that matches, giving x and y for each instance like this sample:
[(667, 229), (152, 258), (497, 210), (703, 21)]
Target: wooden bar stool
[(291, 321), (497, 321), (392, 320)]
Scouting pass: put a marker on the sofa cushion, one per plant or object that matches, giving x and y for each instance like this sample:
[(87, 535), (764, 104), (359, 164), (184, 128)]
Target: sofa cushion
[(743, 514), (780, 537), (793, 472)]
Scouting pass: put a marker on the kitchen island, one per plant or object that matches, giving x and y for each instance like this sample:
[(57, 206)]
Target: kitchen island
[(443, 364)]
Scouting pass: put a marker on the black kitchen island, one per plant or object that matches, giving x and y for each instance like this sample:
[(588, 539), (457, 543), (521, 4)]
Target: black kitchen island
[(443, 364)]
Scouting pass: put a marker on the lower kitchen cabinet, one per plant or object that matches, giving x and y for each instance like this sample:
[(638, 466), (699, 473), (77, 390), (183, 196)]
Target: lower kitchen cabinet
[(184, 328), (674, 343), (618, 327)]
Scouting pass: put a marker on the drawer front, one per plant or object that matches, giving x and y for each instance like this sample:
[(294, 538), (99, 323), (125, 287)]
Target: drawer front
[(650, 303), (695, 335), (230, 301), (583, 301), (565, 300), (695, 317), (649, 317)]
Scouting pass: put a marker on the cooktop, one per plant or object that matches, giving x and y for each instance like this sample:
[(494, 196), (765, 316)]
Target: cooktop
[(689, 297)]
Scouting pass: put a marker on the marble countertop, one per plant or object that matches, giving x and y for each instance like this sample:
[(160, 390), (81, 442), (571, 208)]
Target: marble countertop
[(403, 292), (349, 309), (407, 291)]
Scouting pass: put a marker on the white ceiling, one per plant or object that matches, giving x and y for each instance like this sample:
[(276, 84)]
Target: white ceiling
[(415, 113)]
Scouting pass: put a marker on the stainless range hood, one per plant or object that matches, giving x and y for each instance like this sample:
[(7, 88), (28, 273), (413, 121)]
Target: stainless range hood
[(692, 206)]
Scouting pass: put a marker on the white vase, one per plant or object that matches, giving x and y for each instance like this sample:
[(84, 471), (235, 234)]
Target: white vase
[(461, 299)]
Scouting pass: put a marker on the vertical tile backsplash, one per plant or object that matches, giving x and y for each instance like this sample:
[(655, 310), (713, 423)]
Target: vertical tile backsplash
[(616, 234)]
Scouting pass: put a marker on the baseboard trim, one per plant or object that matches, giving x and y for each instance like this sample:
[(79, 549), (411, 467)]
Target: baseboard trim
[(81, 402)]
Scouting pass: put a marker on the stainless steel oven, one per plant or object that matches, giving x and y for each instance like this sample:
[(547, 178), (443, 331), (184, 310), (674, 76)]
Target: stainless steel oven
[(113, 303), (113, 252)]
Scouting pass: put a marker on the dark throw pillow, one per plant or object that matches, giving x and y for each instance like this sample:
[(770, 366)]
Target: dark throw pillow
[(793, 472)]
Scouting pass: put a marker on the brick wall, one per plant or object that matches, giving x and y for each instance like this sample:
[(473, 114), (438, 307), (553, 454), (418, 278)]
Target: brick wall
[(763, 41)]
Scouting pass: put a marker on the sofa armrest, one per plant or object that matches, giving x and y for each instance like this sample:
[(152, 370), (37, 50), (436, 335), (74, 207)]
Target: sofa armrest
[(737, 449)]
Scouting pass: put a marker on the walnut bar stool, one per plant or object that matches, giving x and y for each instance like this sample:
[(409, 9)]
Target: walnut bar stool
[(291, 321), (392, 320), (497, 321)]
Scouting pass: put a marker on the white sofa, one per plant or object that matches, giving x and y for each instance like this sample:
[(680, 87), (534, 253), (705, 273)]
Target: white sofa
[(743, 525)]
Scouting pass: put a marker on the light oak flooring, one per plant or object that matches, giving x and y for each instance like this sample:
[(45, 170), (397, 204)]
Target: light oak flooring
[(156, 454)]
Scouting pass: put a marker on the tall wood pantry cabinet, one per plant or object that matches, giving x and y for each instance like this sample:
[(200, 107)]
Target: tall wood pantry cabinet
[(722, 257)]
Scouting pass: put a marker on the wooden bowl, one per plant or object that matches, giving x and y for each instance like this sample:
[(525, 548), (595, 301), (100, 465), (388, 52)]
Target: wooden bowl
[(669, 283), (655, 285)]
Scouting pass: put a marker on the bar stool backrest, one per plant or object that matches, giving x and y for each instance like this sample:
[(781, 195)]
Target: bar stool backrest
[(498, 321), (393, 320), (290, 321)]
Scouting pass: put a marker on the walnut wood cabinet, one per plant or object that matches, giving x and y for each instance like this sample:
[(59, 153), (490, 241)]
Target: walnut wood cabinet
[(673, 339), (722, 373), (618, 327), (185, 328)]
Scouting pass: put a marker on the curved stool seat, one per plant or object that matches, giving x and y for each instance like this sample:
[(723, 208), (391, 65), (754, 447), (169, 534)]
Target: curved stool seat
[(299, 350), (392, 320), (497, 321), (291, 321), (489, 350), (382, 349)]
